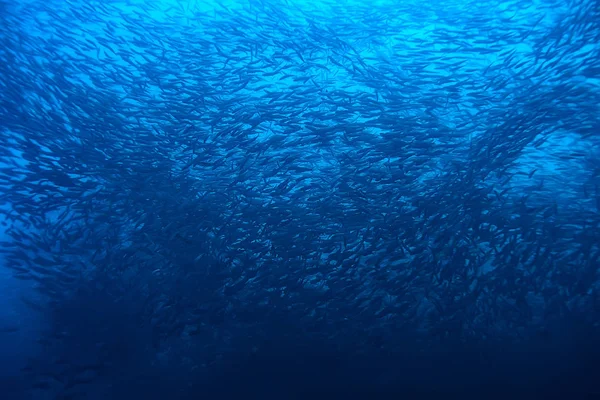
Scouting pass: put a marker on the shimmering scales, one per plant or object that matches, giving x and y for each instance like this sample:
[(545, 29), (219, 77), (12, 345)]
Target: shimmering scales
[(216, 199)]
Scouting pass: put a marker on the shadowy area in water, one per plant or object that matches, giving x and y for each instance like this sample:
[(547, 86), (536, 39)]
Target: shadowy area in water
[(304, 370), (13, 387)]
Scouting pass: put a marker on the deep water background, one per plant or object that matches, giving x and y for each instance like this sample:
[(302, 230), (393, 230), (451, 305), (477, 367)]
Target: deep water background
[(157, 307)]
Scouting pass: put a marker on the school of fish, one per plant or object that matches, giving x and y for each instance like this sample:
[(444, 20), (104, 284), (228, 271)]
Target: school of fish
[(190, 185)]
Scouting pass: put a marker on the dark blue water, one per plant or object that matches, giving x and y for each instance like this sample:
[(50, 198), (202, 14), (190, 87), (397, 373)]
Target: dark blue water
[(267, 199)]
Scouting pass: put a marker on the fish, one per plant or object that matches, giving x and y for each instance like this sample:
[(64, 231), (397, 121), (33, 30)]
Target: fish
[(188, 189)]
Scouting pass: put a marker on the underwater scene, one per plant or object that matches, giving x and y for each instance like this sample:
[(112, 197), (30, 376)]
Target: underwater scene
[(294, 199)]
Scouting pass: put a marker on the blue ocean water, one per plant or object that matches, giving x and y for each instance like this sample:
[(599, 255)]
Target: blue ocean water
[(292, 199)]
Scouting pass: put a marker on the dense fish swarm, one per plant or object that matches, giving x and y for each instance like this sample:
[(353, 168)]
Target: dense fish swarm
[(273, 197)]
